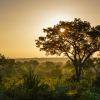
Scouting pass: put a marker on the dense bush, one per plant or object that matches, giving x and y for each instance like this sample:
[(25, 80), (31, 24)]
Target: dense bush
[(96, 82), (84, 83), (95, 89), (92, 96), (72, 78)]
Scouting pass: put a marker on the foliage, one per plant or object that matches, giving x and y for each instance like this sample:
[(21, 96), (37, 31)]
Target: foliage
[(88, 77), (95, 63), (3, 60), (94, 89), (92, 96), (72, 78), (31, 80), (96, 82), (84, 83), (30, 86), (34, 63), (18, 64), (81, 89)]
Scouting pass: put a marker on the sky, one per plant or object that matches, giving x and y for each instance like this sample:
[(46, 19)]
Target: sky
[(22, 22)]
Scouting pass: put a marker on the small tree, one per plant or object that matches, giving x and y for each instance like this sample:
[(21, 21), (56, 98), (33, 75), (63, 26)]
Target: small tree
[(18, 64), (34, 63), (3, 60), (49, 64), (11, 63), (96, 64), (77, 40)]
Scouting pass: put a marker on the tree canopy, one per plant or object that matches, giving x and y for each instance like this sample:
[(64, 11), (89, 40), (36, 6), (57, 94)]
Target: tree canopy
[(78, 41)]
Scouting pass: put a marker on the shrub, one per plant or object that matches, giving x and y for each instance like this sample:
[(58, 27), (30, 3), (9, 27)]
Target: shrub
[(92, 96), (95, 89), (71, 79), (61, 93), (81, 89), (84, 83), (87, 77), (96, 82), (31, 80), (75, 96)]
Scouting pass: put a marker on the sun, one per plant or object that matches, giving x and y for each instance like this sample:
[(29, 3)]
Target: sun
[(62, 29)]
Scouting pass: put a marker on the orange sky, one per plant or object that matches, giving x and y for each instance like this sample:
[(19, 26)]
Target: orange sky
[(22, 21)]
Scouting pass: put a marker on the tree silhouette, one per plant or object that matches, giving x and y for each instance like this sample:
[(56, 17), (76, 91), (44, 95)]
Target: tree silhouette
[(78, 41), (3, 60)]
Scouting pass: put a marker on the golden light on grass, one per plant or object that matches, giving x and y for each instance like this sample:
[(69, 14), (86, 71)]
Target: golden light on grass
[(62, 30)]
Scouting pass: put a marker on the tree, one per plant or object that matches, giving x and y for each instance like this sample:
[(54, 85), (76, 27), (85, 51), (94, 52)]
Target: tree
[(78, 41), (49, 64), (3, 60), (11, 63), (34, 62), (59, 63), (96, 64), (69, 64), (18, 64)]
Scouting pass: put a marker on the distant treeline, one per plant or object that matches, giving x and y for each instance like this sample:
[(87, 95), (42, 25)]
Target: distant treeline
[(40, 60)]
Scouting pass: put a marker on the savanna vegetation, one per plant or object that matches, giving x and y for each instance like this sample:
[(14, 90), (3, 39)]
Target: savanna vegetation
[(31, 80), (77, 79)]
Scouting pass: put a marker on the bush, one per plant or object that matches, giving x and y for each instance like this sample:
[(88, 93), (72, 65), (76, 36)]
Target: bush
[(84, 83), (95, 89), (87, 77), (81, 89), (61, 93), (96, 82), (92, 96), (31, 80), (72, 78)]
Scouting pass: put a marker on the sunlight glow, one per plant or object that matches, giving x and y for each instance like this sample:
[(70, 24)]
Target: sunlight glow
[(62, 29)]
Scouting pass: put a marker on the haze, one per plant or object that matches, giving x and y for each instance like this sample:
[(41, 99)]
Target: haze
[(22, 21)]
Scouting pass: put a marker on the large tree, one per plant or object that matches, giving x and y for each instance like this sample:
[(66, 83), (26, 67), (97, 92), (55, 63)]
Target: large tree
[(76, 39)]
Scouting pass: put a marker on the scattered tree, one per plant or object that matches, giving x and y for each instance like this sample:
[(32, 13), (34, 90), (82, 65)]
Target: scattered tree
[(96, 64), (18, 64), (49, 64), (11, 63), (34, 63), (3, 60)]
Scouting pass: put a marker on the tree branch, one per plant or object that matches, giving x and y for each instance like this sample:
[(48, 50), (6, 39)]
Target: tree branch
[(88, 56)]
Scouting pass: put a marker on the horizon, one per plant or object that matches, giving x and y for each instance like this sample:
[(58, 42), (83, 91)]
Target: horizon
[(47, 57)]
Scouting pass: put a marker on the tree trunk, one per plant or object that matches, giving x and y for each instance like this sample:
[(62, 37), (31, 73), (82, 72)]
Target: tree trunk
[(78, 73), (96, 73), (78, 78), (82, 73)]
